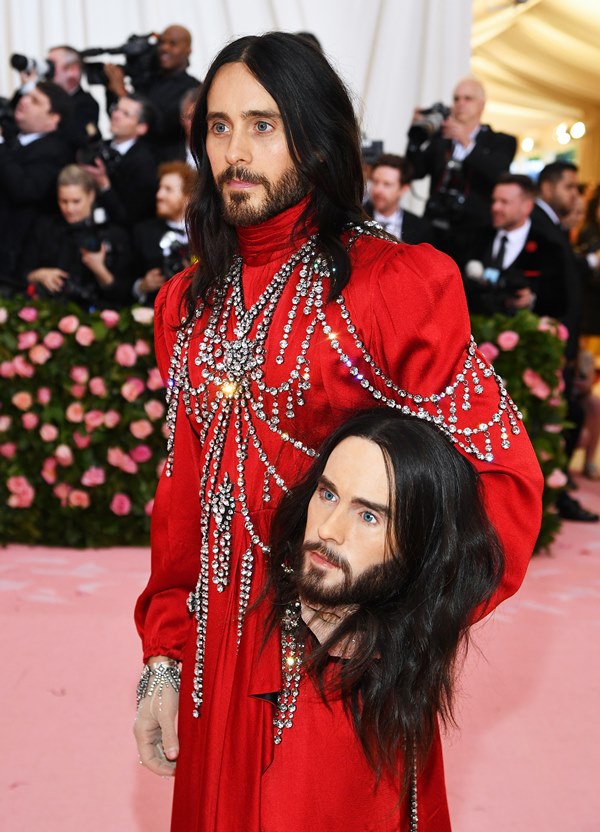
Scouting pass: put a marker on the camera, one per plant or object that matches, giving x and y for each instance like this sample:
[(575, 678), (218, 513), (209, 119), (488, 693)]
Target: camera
[(430, 122), (44, 69), (175, 254), (141, 60), (447, 204), (96, 149)]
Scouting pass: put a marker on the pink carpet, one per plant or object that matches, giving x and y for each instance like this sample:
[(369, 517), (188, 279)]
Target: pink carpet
[(526, 757)]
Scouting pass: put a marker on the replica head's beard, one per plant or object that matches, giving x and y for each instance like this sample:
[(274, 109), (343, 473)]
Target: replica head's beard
[(373, 583), (238, 209)]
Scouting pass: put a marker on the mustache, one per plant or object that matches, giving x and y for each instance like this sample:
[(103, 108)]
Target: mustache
[(243, 175), (326, 552)]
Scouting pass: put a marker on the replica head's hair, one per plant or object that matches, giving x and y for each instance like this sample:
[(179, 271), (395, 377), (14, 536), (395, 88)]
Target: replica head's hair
[(323, 140), (445, 564)]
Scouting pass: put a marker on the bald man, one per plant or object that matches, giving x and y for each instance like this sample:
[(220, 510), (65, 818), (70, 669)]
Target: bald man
[(164, 90), (464, 159)]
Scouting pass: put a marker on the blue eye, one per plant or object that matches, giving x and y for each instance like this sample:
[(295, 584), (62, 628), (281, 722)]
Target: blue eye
[(369, 517), (263, 126), (219, 127), (327, 495)]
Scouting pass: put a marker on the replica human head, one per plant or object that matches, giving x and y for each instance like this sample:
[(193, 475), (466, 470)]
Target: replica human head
[(513, 199), (390, 177), (388, 524), (558, 185), (311, 146)]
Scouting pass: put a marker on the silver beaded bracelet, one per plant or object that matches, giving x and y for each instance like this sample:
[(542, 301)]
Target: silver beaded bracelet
[(154, 679)]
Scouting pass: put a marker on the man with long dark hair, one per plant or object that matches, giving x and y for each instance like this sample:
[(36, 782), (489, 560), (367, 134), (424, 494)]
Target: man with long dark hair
[(379, 559), (299, 313)]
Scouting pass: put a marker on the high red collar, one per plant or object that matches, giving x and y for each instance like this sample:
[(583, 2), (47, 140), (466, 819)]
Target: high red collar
[(274, 239)]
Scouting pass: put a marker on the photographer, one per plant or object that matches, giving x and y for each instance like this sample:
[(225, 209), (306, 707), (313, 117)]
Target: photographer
[(161, 245), (164, 89), (124, 168), (29, 165), (464, 159), (74, 258)]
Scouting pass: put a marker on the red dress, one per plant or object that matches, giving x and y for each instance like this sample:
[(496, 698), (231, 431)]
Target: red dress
[(403, 318)]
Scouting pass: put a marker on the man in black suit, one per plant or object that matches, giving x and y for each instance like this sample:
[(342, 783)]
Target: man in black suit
[(389, 181), (164, 90), (29, 166), (126, 183), (513, 265), (558, 190), (464, 159)]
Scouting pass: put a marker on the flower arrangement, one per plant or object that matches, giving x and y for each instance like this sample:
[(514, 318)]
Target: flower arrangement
[(527, 352), (82, 436), (81, 425)]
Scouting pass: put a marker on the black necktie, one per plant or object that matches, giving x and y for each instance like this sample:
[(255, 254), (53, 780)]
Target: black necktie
[(498, 260)]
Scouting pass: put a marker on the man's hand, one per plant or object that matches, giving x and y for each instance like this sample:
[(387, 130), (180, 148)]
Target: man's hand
[(152, 281), (155, 731), (116, 79), (98, 172), (50, 279), (522, 299), (452, 129)]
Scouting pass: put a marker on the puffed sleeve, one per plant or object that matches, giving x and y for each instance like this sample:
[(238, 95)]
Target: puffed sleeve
[(418, 332), (161, 613)]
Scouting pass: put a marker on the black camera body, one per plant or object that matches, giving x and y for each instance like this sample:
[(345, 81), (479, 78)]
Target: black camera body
[(430, 122), (175, 254), (141, 61), (97, 149)]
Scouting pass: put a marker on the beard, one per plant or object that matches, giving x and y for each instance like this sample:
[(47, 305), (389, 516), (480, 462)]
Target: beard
[(238, 209), (374, 583)]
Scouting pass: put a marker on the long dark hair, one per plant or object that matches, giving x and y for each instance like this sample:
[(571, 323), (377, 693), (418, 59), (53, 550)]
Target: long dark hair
[(446, 563), (322, 137)]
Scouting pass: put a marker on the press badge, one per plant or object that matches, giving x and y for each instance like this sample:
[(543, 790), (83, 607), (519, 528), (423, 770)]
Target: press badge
[(491, 275)]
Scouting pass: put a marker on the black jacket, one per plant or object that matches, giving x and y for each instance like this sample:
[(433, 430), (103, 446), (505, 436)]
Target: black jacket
[(415, 229), (132, 195)]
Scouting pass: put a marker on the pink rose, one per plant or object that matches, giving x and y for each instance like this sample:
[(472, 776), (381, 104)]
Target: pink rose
[(143, 314), (93, 419), (49, 433), (29, 314), (109, 318), (141, 428), (544, 455), (26, 340), (128, 466), (3, 314), (120, 504), (563, 332), (132, 388), (536, 384), (62, 491), (555, 401), (155, 381), (553, 428), (22, 400), (7, 369), (85, 336), (68, 324), (49, 470), (557, 479), (22, 492), (141, 453), (8, 450), (29, 421), (5, 422), (74, 412), (148, 508), (39, 354), (93, 476), (63, 455), (98, 387), (53, 340), (78, 498), (22, 368), (489, 351), (125, 355), (81, 440), (77, 391), (154, 409), (142, 347), (79, 374), (111, 418), (44, 395), (115, 457), (507, 340), (17, 485)]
